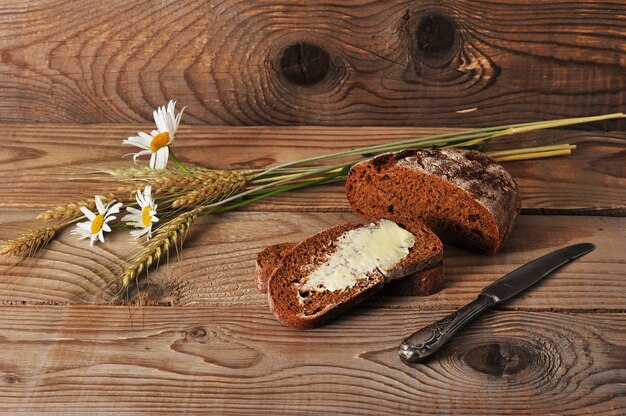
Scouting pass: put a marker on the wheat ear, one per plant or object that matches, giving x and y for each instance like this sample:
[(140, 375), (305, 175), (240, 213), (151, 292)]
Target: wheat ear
[(31, 242), (217, 183), (72, 209), (145, 172), (166, 184), (168, 235), (170, 184)]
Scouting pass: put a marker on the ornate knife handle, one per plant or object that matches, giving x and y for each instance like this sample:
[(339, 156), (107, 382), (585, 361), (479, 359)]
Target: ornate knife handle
[(426, 341)]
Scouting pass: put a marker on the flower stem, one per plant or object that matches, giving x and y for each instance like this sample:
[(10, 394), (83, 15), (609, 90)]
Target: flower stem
[(177, 162)]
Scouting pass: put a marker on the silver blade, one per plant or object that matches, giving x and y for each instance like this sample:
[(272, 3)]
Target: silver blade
[(524, 277)]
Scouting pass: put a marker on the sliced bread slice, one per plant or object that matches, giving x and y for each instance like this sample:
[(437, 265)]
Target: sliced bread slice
[(336, 269), (464, 196), (267, 261), (422, 283)]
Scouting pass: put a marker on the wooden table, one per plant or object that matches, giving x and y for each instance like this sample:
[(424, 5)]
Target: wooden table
[(197, 337)]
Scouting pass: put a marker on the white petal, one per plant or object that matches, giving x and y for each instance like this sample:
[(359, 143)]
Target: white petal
[(141, 142), (178, 117), (93, 238), (81, 233), (106, 228), (133, 210), (153, 160), (155, 219), (161, 158), (147, 193), (138, 198), (90, 215), (101, 236), (143, 152), (147, 137), (109, 218), (129, 217), (139, 233), (169, 122), (115, 208), (158, 119), (100, 205), (86, 226)]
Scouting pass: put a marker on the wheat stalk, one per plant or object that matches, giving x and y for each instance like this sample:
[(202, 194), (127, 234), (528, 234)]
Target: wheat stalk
[(30, 242), (168, 235), (146, 172), (72, 209), (168, 183), (217, 183)]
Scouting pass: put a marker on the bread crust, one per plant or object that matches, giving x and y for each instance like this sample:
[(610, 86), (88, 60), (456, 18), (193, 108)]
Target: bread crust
[(424, 283), (464, 196), (267, 260)]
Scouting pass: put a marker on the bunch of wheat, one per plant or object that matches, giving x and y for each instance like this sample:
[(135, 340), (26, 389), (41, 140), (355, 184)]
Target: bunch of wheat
[(178, 196)]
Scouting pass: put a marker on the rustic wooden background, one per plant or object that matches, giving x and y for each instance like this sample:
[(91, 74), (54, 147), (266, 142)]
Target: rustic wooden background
[(352, 63), (196, 337)]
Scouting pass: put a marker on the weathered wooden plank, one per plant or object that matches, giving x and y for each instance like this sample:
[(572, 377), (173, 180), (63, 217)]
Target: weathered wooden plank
[(401, 62), (240, 361), (219, 256), (37, 161)]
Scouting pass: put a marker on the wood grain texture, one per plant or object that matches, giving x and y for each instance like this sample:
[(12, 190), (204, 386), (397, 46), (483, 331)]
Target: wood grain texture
[(219, 361), (37, 161), (219, 258), (400, 62)]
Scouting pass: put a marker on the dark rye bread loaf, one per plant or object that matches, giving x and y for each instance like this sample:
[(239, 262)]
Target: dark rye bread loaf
[(308, 308), (464, 196), (423, 283)]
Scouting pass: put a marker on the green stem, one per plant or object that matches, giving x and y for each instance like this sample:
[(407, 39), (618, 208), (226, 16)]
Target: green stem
[(480, 134), (272, 192), (177, 162), (526, 150), (313, 171)]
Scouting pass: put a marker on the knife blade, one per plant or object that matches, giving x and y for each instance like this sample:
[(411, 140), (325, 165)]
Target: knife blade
[(426, 341)]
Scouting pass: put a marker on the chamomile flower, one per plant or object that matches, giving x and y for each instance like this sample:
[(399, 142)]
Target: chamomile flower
[(156, 144), (142, 219), (97, 225)]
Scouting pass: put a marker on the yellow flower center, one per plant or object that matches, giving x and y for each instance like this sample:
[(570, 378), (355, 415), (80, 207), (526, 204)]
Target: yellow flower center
[(146, 218), (97, 223), (159, 141)]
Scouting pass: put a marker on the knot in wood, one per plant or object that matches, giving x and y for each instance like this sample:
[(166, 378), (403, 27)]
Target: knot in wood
[(304, 64), (435, 35), (502, 358), (11, 379), (197, 334)]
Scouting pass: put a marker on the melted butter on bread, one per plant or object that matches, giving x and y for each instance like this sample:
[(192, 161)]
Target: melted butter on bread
[(358, 252)]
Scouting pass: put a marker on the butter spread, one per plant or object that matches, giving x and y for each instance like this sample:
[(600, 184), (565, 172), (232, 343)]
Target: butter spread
[(359, 251)]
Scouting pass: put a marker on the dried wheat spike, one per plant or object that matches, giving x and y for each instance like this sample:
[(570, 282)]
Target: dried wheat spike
[(29, 243), (168, 235), (217, 183), (72, 209), (145, 172)]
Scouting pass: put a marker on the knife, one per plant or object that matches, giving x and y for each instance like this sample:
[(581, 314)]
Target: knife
[(423, 343)]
